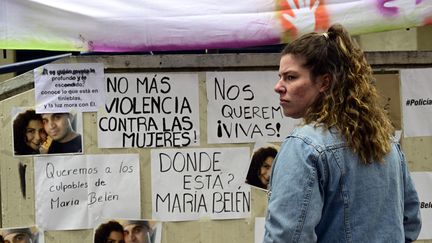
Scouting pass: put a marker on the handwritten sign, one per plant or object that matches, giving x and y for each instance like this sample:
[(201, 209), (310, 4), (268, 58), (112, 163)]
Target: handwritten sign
[(149, 110), (416, 101), (242, 107), (69, 86), (188, 184), (73, 192), (423, 181)]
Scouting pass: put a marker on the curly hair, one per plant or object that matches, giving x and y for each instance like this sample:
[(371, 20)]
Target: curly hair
[(19, 131), (104, 230), (257, 161), (351, 104)]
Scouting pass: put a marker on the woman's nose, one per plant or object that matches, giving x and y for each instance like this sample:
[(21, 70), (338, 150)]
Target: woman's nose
[(278, 88), (37, 136)]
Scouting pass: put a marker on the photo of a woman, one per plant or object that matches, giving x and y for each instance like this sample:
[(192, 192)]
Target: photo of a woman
[(28, 133), (260, 167), (109, 232)]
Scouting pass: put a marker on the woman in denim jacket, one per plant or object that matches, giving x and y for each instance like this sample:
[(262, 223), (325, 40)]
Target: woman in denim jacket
[(339, 177)]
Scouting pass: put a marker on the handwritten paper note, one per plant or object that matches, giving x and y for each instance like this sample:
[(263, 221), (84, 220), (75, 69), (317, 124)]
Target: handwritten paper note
[(73, 192), (189, 184), (243, 107), (149, 110)]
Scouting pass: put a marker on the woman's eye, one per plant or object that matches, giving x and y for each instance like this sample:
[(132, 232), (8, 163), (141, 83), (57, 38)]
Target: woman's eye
[(289, 77)]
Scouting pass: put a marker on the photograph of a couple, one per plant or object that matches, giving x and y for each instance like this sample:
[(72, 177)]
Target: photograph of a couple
[(128, 231), (48, 133)]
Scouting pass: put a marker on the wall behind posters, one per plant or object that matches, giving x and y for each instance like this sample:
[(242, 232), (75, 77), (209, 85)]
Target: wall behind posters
[(17, 210), (6, 57)]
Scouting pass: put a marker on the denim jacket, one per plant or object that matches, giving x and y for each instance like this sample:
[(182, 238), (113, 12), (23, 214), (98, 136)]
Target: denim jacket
[(320, 191)]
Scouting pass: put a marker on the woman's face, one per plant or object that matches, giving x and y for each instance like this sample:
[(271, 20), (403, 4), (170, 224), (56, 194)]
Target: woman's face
[(115, 237), (265, 171), (35, 134), (296, 90)]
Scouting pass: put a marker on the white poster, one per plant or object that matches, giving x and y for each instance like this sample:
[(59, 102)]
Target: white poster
[(423, 183), (189, 184), (243, 107), (149, 110), (69, 86), (74, 192), (416, 102), (259, 229)]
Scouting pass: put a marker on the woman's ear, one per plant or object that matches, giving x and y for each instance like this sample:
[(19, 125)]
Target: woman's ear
[(326, 80)]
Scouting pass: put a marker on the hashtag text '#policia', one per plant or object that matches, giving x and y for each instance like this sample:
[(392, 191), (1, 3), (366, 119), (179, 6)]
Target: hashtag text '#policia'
[(418, 102)]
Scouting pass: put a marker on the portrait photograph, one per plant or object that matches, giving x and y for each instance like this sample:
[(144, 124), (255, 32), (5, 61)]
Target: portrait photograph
[(260, 166), (21, 235), (128, 231), (44, 134)]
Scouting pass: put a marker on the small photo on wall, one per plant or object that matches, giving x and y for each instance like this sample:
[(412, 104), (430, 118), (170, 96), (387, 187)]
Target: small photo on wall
[(128, 231), (43, 134), (21, 235), (260, 166)]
